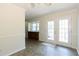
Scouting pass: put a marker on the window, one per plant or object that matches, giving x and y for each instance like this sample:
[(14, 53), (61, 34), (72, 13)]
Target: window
[(63, 30), (51, 30), (33, 26)]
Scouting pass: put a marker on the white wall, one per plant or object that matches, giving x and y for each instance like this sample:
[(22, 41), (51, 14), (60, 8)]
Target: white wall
[(72, 14), (12, 29), (78, 31)]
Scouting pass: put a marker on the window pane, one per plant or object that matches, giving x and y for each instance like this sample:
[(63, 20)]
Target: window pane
[(34, 27), (63, 30), (51, 30)]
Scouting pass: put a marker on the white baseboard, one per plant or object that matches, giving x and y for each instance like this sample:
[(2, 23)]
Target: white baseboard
[(15, 51)]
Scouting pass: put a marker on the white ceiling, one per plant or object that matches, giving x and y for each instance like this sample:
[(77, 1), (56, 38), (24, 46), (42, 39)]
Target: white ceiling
[(38, 9)]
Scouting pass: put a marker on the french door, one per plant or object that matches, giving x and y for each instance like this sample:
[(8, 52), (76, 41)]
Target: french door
[(51, 30), (62, 33), (63, 30)]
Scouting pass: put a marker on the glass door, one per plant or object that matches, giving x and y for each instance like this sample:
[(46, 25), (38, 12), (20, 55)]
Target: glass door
[(63, 31), (50, 30)]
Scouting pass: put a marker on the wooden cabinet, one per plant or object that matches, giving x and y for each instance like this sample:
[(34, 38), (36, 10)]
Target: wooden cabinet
[(33, 35)]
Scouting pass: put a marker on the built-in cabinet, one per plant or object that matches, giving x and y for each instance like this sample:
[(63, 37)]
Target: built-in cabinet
[(33, 35)]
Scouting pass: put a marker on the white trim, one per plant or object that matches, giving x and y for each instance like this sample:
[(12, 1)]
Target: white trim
[(15, 51)]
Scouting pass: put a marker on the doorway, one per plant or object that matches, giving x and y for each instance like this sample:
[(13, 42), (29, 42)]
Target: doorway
[(60, 34)]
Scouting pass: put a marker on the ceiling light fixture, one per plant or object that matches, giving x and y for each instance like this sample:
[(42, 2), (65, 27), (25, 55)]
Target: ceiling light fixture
[(36, 5)]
